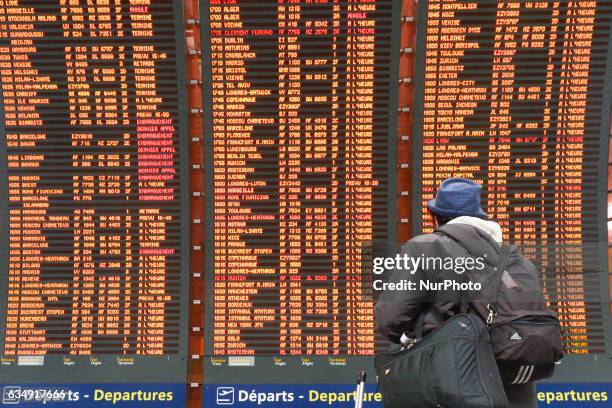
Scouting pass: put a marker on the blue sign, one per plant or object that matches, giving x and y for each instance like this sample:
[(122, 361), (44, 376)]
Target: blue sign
[(292, 395), (574, 395), (343, 395), (93, 396)]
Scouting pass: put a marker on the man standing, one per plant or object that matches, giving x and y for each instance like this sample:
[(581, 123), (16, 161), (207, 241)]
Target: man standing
[(457, 204)]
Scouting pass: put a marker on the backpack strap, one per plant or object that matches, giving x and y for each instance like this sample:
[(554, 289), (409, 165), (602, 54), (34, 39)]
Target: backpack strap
[(500, 269), (502, 264), (464, 304)]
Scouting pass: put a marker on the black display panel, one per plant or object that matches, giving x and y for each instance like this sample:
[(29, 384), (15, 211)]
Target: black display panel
[(93, 210), (516, 95), (300, 109)]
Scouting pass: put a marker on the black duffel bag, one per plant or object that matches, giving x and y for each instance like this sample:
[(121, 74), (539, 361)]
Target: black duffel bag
[(452, 366)]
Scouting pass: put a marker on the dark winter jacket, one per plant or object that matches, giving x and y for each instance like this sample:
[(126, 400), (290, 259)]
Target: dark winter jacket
[(397, 311)]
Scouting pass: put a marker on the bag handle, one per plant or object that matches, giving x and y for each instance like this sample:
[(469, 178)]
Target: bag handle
[(420, 325), (500, 269)]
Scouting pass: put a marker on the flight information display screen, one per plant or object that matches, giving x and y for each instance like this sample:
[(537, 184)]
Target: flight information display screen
[(299, 112), (92, 252), (513, 94)]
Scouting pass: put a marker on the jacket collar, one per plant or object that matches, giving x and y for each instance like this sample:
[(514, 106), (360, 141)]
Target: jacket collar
[(478, 242), (490, 227)]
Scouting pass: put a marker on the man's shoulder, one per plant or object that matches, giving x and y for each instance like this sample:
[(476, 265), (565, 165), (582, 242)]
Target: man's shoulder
[(424, 238), (425, 242)]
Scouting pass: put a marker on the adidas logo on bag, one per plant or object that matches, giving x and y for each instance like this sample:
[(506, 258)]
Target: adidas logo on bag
[(516, 336)]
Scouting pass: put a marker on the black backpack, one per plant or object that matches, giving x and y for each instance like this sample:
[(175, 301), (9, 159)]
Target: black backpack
[(526, 335)]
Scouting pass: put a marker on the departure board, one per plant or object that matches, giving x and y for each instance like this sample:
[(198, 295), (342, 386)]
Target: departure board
[(299, 113), (93, 256), (516, 95)]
